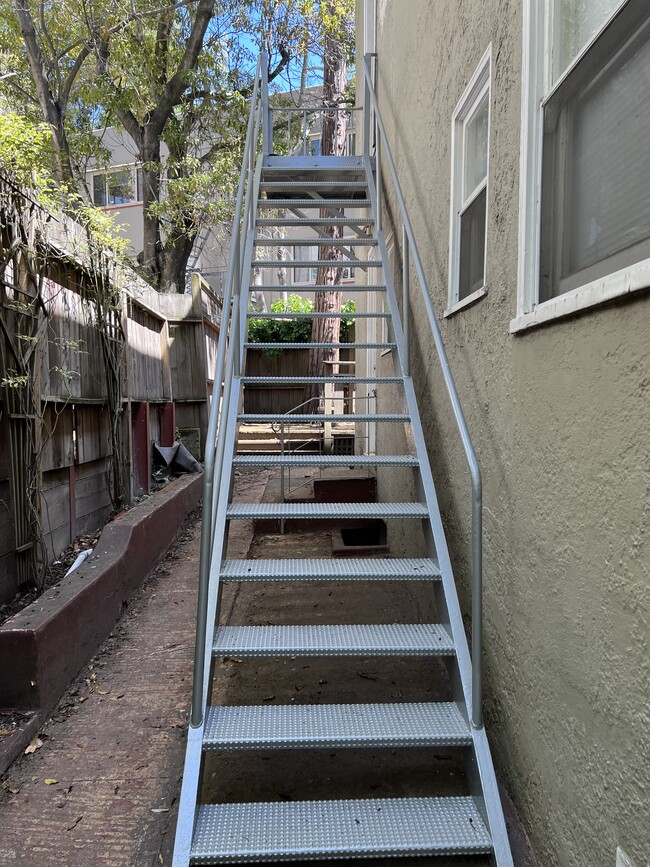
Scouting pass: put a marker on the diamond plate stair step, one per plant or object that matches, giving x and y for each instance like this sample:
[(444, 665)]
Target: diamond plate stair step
[(344, 569), (320, 345), (252, 314), (327, 460), (312, 830), (327, 726), (316, 241), (315, 221), (317, 380), (314, 203), (411, 639), (311, 163), (271, 418), (320, 287), (332, 511), (313, 185), (319, 263)]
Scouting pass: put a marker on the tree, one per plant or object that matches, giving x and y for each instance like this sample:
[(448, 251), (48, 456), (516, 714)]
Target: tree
[(174, 76)]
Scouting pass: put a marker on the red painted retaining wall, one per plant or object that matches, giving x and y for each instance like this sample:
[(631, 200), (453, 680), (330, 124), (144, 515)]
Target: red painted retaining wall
[(43, 647)]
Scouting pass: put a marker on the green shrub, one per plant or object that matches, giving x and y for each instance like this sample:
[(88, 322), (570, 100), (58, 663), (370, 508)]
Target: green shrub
[(292, 330)]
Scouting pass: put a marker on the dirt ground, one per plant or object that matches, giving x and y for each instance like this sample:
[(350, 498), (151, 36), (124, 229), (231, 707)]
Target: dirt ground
[(102, 788), (287, 775)]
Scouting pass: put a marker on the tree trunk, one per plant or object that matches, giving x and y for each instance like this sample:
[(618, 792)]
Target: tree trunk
[(151, 242), (325, 362), (174, 257)]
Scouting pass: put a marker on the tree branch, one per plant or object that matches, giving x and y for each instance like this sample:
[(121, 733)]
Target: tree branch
[(48, 42), (177, 84), (66, 87)]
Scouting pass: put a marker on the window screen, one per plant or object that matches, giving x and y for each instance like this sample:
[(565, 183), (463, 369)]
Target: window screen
[(596, 169)]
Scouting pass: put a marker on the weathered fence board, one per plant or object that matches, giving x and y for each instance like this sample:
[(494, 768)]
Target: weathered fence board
[(169, 355)]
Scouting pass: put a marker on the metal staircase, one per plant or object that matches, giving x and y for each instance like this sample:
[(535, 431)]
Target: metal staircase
[(350, 188)]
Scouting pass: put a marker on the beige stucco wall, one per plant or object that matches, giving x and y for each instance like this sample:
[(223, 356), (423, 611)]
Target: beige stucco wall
[(560, 416)]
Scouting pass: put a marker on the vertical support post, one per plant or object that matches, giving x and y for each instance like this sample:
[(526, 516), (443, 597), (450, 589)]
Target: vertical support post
[(366, 111), (304, 133), (405, 302), (282, 491), (378, 180), (234, 331), (477, 602), (267, 135)]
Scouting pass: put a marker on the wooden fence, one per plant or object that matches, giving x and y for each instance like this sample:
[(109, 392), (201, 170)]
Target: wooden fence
[(170, 344)]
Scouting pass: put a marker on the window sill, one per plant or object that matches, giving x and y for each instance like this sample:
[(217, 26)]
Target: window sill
[(122, 207), (460, 305), (615, 285)]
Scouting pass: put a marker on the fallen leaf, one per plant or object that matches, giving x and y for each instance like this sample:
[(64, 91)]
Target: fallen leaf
[(5, 731), (160, 858), (9, 788), (103, 691), (160, 809), (36, 744), (50, 781), (83, 698)]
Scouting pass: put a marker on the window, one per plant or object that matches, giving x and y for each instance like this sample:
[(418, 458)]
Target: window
[(585, 179), (120, 187), (469, 146)]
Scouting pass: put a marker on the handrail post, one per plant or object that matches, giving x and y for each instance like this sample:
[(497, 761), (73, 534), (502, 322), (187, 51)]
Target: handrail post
[(366, 114), (378, 178), (267, 138), (235, 336), (477, 601), (405, 303)]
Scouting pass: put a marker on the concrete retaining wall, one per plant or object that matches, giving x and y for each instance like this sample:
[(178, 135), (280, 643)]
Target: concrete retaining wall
[(44, 646)]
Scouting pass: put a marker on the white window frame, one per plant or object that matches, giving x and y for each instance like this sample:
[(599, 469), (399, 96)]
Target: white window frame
[(479, 85), (537, 89), (133, 168)]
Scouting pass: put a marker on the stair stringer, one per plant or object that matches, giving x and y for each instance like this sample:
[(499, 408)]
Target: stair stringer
[(481, 775)]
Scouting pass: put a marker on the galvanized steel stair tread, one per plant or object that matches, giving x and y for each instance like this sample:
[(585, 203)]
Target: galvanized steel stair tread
[(336, 725), (252, 314), (319, 263), (328, 460), (314, 203), (326, 510), (310, 830), (392, 639), (308, 184), (344, 569), (315, 221), (320, 345), (319, 287), (318, 418), (316, 241), (343, 379)]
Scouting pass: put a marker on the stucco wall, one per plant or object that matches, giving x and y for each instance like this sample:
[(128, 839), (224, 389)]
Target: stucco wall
[(560, 417)]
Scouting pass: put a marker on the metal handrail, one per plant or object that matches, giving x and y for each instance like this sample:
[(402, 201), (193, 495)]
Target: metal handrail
[(214, 438), (475, 473)]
